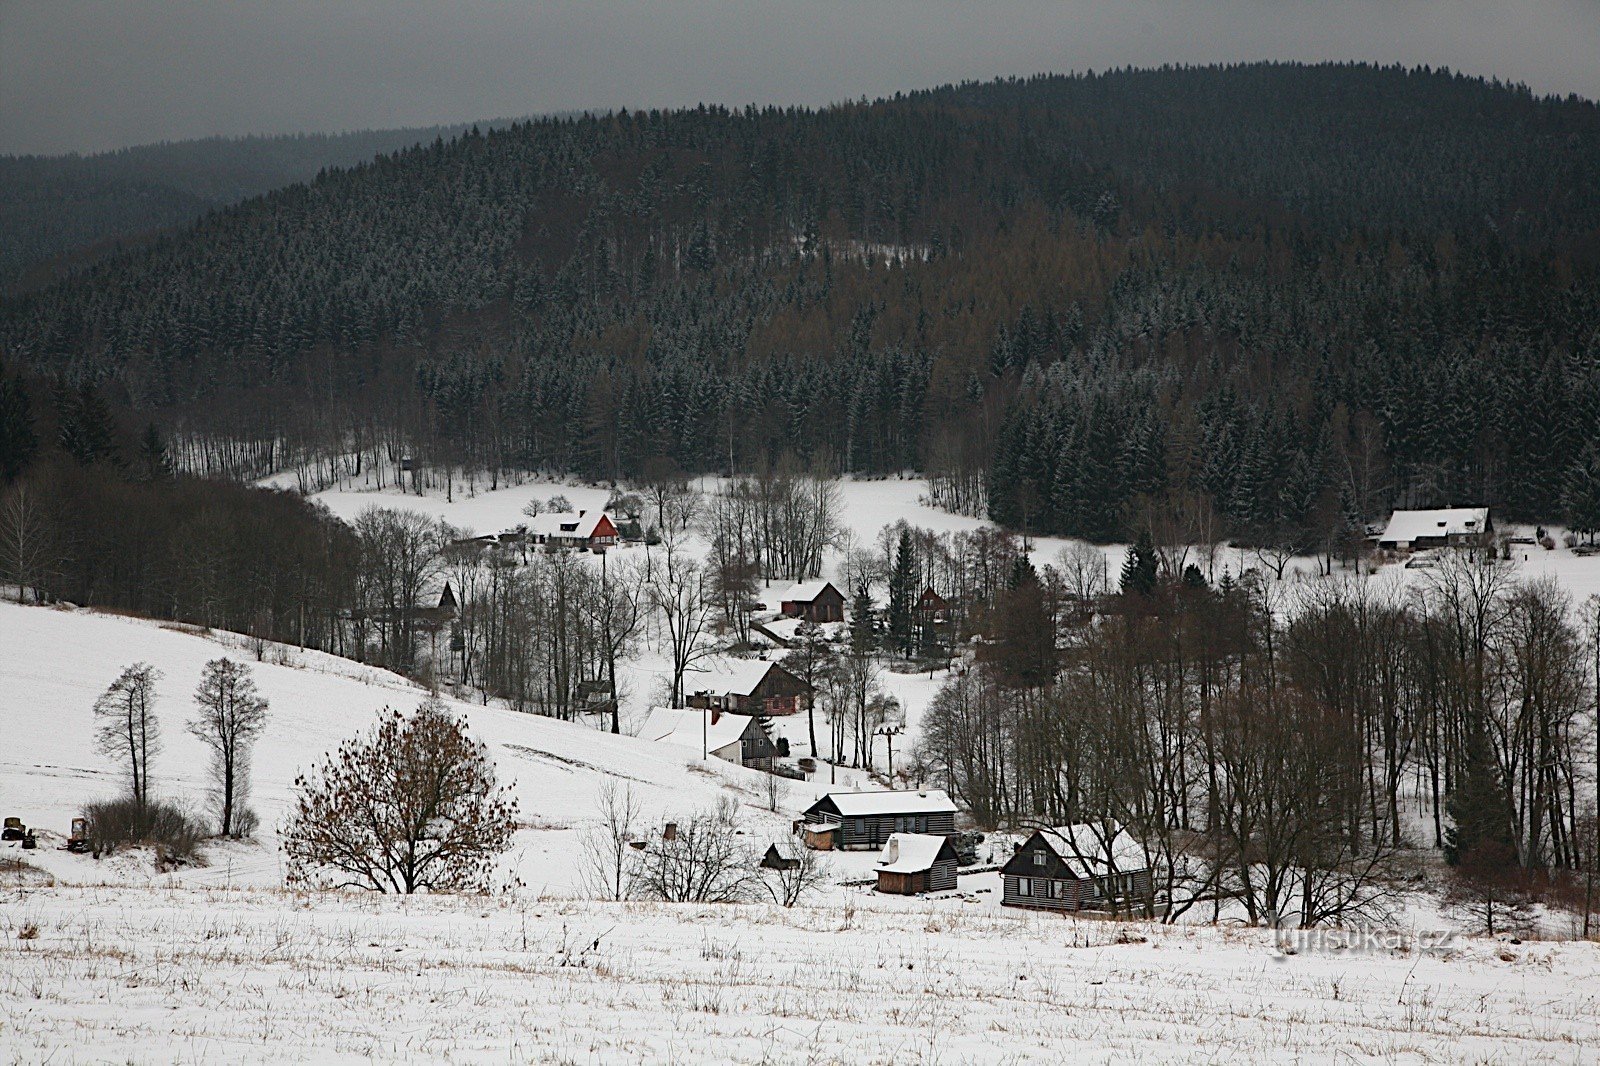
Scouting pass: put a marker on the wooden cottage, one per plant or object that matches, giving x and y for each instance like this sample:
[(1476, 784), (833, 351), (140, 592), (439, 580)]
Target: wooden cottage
[(814, 601), (933, 608), (914, 863), (1075, 867), (1450, 527), (866, 820), (734, 738), (591, 530), (744, 686)]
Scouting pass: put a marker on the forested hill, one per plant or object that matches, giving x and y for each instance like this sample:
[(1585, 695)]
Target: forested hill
[(1286, 295), (57, 210)]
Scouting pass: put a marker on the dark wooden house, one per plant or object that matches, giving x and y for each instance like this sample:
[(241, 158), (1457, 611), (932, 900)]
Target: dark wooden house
[(814, 601), (745, 686), (866, 820), (914, 863), (1075, 867), (933, 608)]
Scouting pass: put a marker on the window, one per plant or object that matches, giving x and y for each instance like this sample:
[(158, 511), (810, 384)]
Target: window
[(1058, 889), (1038, 858), (1024, 886)]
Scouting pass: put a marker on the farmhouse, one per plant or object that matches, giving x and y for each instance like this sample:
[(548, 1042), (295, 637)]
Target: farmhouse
[(914, 863), (1409, 531), (733, 738), (574, 529), (855, 820), (814, 601), (1073, 867), (744, 686)]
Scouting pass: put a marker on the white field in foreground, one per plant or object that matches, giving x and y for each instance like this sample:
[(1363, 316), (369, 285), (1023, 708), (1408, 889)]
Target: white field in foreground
[(187, 975)]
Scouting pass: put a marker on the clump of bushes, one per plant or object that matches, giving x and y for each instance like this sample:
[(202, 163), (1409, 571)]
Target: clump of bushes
[(163, 826)]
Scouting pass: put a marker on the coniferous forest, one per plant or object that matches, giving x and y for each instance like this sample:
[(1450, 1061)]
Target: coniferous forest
[(1276, 299)]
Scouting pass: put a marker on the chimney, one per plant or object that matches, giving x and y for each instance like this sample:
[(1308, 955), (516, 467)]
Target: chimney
[(669, 831)]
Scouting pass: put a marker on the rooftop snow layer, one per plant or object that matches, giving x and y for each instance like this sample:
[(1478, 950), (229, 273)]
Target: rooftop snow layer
[(863, 804), (910, 853), (1408, 526)]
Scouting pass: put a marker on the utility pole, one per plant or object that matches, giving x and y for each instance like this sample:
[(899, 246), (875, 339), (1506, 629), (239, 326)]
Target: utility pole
[(888, 733)]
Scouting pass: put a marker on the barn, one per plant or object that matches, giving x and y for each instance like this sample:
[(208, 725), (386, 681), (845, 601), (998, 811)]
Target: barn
[(1075, 867), (1410, 531), (734, 738), (783, 855), (914, 863), (744, 686), (813, 601), (866, 820)]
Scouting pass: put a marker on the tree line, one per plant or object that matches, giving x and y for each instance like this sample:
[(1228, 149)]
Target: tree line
[(1279, 744), (1307, 293)]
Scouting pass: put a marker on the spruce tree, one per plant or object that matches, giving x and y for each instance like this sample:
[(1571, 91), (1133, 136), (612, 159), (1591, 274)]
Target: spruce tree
[(1139, 567), (902, 594)]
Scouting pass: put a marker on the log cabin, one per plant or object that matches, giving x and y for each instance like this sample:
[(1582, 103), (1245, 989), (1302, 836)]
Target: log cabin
[(866, 820)]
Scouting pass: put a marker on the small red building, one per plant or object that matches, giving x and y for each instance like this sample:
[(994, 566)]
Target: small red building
[(814, 601)]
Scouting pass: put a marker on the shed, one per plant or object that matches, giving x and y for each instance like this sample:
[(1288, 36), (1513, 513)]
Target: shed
[(1072, 867), (914, 863), (783, 855), (866, 820)]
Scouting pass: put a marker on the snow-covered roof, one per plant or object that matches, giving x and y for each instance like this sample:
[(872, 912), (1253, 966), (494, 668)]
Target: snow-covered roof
[(804, 592), (683, 727), (1408, 526), (907, 801), (732, 677), (1083, 849), (909, 853), (552, 524)]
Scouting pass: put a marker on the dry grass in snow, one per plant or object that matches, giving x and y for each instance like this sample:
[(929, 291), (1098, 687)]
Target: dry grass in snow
[(186, 974)]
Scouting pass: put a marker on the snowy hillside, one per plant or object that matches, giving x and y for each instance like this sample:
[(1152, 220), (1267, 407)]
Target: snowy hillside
[(54, 663)]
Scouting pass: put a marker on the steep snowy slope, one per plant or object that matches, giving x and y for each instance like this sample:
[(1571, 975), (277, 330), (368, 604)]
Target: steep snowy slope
[(54, 663)]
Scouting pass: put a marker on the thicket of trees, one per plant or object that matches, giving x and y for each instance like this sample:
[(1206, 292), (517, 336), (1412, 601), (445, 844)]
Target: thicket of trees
[(1276, 743), (1303, 293)]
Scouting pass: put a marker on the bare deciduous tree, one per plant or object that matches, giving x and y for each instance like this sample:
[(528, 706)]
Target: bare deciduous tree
[(706, 861), (789, 884), (411, 805), (610, 863), (127, 729), (232, 715)]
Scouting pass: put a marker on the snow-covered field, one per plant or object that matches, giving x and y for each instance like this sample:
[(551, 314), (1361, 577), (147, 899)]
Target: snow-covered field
[(192, 975)]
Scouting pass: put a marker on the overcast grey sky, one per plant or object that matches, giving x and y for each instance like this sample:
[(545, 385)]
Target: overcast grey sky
[(85, 75)]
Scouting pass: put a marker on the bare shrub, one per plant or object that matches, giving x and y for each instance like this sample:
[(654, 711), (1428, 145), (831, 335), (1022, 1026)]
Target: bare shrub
[(789, 885), (411, 805), (707, 861), (164, 826)]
